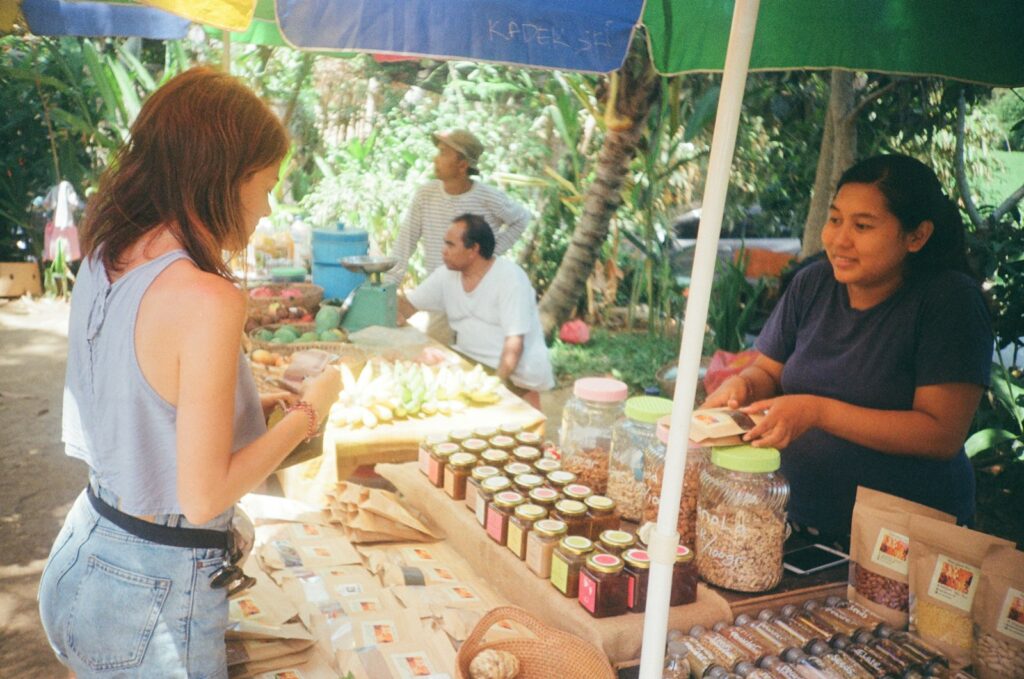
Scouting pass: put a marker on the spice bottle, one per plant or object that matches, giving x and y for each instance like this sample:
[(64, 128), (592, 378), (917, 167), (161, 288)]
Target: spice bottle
[(567, 563), (489, 487), (602, 586), (503, 442), (514, 469), (499, 511), (524, 483), (745, 639), (684, 578), (540, 545), (603, 515), (474, 445), (878, 665), (558, 480), (615, 542), (577, 491), (529, 438), (574, 514), (586, 433), (546, 465), (806, 665), (526, 454), (631, 436), (519, 527), (780, 669), (654, 470), (426, 446), (676, 665), (741, 519), (545, 497), (727, 653), (638, 571), (460, 466), (749, 670), (841, 664), (476, 477), (438, 459)]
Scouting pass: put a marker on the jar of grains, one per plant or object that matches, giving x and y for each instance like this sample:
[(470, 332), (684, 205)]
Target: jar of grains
[(632, 435), (741, 519), (654, 468), (586, 433)]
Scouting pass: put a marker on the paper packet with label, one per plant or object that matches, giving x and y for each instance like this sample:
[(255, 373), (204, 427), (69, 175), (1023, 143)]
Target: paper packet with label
[(880, 541), (721, 426), (999, 616), (945, 571)]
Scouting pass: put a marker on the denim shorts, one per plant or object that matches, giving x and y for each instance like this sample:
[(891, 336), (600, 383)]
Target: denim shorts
[(115, 605)]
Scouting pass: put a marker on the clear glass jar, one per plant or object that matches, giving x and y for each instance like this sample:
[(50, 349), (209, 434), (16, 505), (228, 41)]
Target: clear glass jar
[(741, 519), (488, 488), (586, 433), (540, 545), (503, 442), (426, 446), (633, 435), (494, 458), (546, 465), (529, 438), (545, 497), (524, 483), (485, 432), (557, 480), (514, 469), (456, 474), (567, 562), (438, 459), (474, 445), (603, 585), (684, 578), (603, 515), (574, 514), (520, 525), (476, 477), (526, 454), (499, 511), (654, 469), (460, 435), (638, 573), (615, 541)]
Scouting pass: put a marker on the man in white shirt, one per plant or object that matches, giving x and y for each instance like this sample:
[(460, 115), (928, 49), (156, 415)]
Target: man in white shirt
[(438, 202), (490, 305)]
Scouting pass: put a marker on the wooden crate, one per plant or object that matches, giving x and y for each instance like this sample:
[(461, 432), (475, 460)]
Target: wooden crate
[(19, 278)]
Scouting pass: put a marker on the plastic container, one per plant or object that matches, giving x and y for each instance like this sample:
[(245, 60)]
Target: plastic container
[(329, 247), (632, 436), (741, 519), (586, 434), (654, 469)]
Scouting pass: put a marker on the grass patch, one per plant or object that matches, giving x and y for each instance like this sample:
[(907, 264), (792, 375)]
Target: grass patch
[(631, 357), (997, 188)]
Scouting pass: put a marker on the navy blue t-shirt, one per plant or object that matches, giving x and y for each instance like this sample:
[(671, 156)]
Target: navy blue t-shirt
[(935, 329)]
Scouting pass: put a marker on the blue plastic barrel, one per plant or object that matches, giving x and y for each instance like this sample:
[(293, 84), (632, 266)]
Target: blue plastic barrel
[(329, 246)]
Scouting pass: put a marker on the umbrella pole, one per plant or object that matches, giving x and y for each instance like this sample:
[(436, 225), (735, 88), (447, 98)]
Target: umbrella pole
[(664, 538)]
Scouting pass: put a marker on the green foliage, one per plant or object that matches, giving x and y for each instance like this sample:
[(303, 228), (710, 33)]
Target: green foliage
[(633, 358), (734, 311), (1008, 107)]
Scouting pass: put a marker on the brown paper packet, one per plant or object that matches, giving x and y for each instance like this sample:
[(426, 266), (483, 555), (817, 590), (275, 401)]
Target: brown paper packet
[(945, 571), (241, 651), (880, 547), (721, 426), (430, 655), (999, 616)]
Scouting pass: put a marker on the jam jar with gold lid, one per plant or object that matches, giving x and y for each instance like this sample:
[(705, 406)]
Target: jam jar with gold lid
[(574, 514), (559, 479), (577, 491), (489, 487), (514, 469), (438, 460), (494, 457), (476, 477), (475, 446), (603, 514), (567, 562), (615, 542), (526, 454), (503, 442), (540, 545), (638, 572), (499, 511), (519, 526), (426, 446), (456, 475), (603, 585), (524, 483), (545, 497), (546, 465)]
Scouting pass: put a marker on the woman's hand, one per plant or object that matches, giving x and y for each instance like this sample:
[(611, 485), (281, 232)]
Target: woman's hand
[(270, 399), (322, 391), (786, 418), (732, 393)]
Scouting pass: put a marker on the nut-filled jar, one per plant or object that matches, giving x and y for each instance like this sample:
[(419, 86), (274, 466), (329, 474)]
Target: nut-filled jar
[(489, 487), (426, 446), (654, 469), (632, 435), (494, 458), (476, 477), (524, 483), (574, 514), (585, 437), (456, 474), (545, 497), (540, 545), (684, 578), (741, 519), (438, 460), (603, 586), (603, 515), (614, 542), (567, 562), (520, 525), (499, 512), (638, 572)]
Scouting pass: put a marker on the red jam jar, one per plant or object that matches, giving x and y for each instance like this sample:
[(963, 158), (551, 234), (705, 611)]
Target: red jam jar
[(603, 586), (638, 571), (499, 512), (684, 578)]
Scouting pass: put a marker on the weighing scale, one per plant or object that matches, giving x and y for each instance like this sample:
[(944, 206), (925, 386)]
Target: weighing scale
[(374, 302)]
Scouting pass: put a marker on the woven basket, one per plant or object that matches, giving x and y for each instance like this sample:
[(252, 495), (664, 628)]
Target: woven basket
[(553, 654), (292, 347), (310, 299)]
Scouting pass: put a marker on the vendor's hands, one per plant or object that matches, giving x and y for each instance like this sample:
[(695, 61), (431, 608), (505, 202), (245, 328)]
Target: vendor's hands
[(270, 399), (786, 418), (322, 391), (732, 393)]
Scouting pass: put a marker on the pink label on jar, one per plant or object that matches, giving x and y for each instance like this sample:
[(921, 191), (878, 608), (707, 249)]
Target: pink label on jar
[(433, 470), (494, 524), (588, 592), (424, 460)]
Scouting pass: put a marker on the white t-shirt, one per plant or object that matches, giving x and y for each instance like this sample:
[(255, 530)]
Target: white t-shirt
[(502, 305)]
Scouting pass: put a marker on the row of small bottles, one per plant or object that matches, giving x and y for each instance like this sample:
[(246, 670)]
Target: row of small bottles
[(560, 529), (834, 639)]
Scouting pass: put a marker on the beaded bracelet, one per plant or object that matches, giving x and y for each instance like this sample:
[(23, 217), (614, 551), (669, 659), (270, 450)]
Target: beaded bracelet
[(314, 420)]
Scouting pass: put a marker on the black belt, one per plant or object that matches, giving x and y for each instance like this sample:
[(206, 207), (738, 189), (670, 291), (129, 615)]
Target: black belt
[(194, 538)]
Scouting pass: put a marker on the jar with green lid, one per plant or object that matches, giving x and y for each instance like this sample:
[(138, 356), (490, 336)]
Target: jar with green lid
[(510, 429), (559, 479), (529, 438), (526, 454), (460, 435), (476, 477), (615, 542), (426, 446), (585, 437), (545, 497), (603, 585), (514, 469), (633, 434), (524, 483), (438, 460), (540, 545), (574, 514), (519, 527), (546, 465), (485, 432), (654, 470), (488, 488), (577, 491), (567, 562), (456, 474), (684, 578), (741, 519), (638, 571), (603, 515), (495, 458), (499, 511), (503, 442), (474, 445)]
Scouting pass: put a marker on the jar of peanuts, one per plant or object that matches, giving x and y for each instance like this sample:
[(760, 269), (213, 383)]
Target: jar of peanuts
[(654, 467), (586, 432), (632, 435)]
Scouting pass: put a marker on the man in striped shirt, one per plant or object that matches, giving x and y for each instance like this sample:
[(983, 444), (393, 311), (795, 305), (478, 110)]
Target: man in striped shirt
[(438, 202)]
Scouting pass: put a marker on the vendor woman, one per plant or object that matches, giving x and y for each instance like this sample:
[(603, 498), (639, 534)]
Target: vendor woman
[(874, 360)]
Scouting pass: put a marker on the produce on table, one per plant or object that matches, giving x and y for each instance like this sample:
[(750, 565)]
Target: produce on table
[(386, 391)]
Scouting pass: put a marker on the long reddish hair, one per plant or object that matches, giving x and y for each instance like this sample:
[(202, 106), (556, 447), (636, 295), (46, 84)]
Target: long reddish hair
[(193, 143)]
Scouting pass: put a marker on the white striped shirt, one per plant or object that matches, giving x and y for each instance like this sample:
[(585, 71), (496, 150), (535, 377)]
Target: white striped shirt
[(431, 214)]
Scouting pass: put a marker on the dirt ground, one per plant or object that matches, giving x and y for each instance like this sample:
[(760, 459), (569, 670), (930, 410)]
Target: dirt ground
[(38, 482)]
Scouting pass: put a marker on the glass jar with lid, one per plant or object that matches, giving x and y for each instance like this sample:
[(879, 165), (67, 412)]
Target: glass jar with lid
[(529, 438), (577, 491), (524, 483), (684, 578), (426, 446), (475, 446), (741, 519), (526, 454), (603, 515), (494, 458), (567, 562), (514, 469), (634, 434), (615, 542), (585, 437), (540, 545), (638, 572), (510, 429), (476, 477), (654, 469), (485, 432), (519, 526), (603, 585), (460, 465), (574, 514), (438, 460), (488, 488), (460, 435), (499, 511), (503, 442), (559, 479), (545, 497), (546, 465)]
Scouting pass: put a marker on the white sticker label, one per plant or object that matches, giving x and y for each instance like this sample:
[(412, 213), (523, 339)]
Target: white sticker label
[(954, 582), (891, 549), (1011, 618), (379, 632)]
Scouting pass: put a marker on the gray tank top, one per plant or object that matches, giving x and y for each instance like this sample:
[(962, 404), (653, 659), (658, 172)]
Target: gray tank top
[(113, 419)]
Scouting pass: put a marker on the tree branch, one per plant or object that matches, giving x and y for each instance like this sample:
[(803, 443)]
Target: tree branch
[(863, 103), (961, 172), (1007, 205)]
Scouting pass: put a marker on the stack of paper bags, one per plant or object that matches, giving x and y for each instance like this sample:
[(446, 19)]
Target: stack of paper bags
[(373, 515)]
